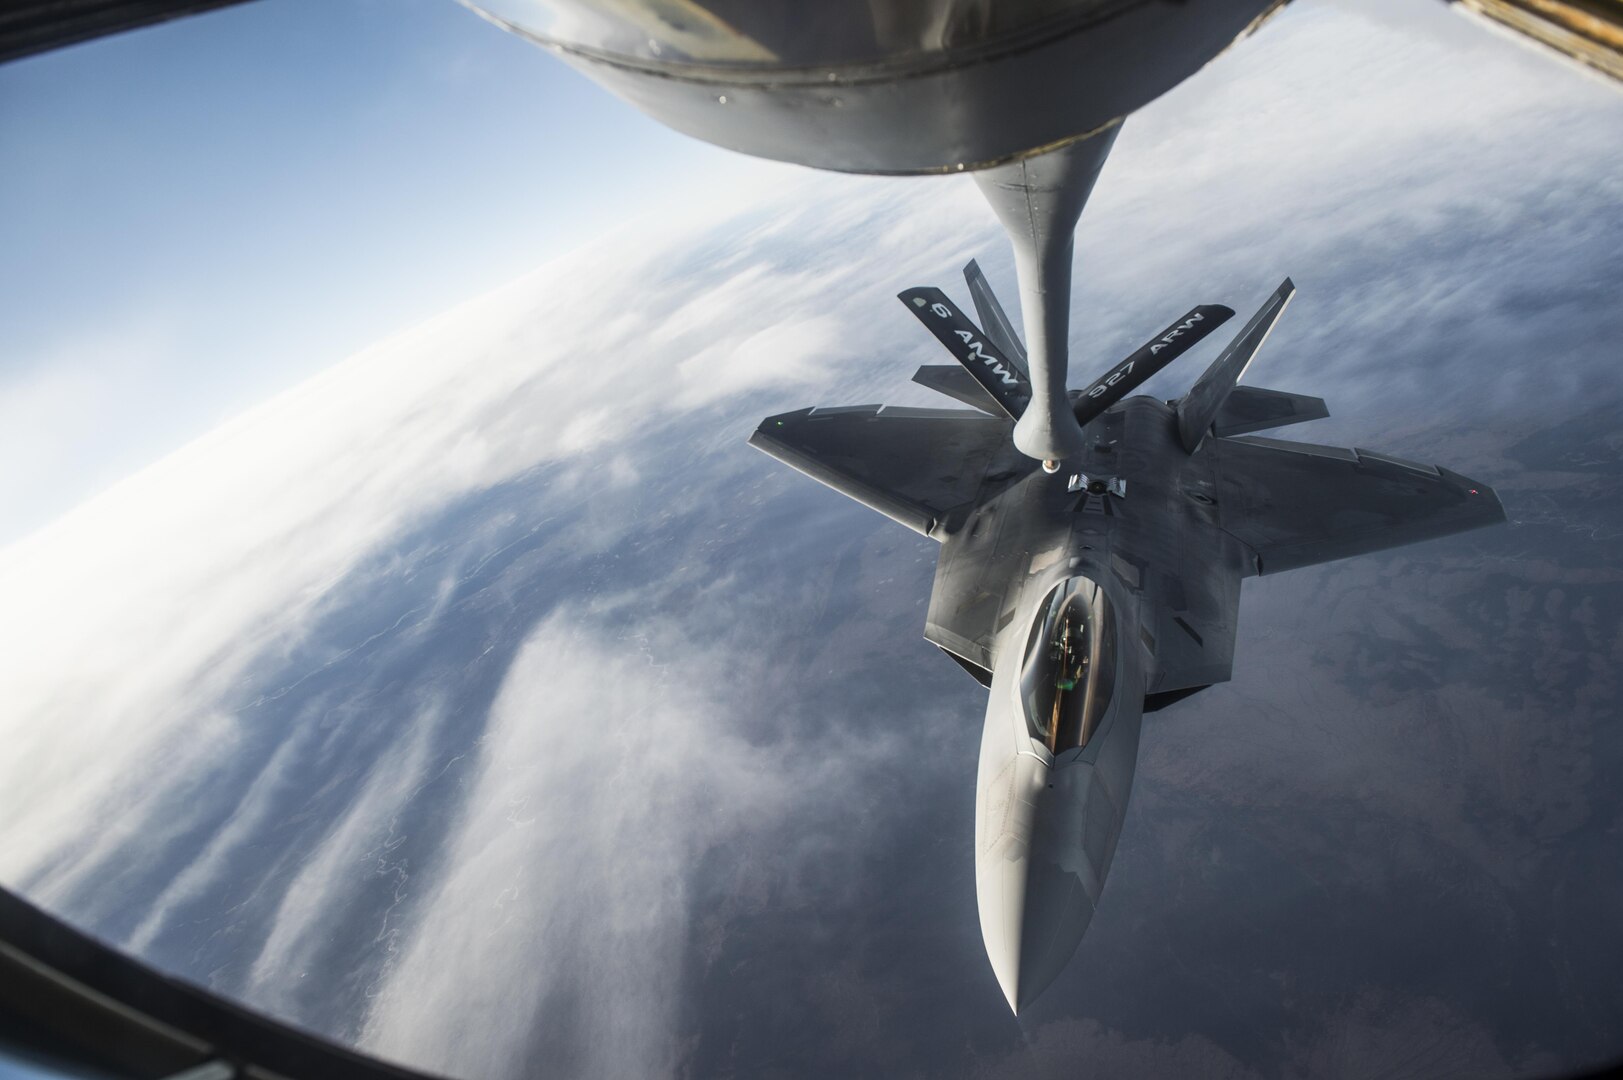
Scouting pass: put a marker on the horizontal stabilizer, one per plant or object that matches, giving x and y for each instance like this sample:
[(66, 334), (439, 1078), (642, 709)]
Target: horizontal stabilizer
[(1251, 408), (1298, 504), (915, 466), (1150, 358), (1200, 406), (998, 376), (998, 327), (959, 385)]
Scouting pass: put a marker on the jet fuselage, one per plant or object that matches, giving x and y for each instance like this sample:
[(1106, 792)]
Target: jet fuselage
[(1052, 787)]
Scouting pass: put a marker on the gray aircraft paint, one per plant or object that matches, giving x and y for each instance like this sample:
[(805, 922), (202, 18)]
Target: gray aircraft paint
[(1169, 556)]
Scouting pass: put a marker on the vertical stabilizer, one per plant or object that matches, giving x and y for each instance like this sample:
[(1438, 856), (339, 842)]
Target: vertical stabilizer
[(1200, 406), (1003, 382), (1150, 358)]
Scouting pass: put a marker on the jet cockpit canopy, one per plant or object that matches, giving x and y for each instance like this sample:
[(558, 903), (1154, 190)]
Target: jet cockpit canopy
[(1069, 671)]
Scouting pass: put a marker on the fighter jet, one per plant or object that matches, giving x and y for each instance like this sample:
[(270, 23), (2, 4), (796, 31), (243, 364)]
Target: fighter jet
[(1084, 597)]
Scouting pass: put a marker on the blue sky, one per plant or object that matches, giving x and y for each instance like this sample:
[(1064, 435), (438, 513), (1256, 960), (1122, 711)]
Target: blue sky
[(197, 215)]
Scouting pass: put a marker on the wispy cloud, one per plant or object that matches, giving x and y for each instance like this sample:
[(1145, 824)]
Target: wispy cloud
[(363, 839), (611, 766), (134, 618)]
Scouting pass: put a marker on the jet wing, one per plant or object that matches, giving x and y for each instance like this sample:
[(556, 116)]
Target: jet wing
[(913, 465), (1297, 504)]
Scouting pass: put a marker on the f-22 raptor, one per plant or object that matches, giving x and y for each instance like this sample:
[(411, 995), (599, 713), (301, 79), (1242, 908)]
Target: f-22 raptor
[(1086, 592)]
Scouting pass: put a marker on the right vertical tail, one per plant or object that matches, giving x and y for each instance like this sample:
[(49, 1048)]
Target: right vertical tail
[(1200, 406), (1149, 358)]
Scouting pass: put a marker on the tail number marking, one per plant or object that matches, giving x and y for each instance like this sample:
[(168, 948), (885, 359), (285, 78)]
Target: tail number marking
[(1112, 379), (977, 351), (1175, 332)]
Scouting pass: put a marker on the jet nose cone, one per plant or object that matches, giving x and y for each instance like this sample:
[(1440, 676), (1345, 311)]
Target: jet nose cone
[(1034, 904), (1008, 802), (1033, 915), (1057, 913), (1002, 901)]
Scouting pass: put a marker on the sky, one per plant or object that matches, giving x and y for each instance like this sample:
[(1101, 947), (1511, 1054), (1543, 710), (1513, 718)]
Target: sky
[(197, 215), (429, 704)]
